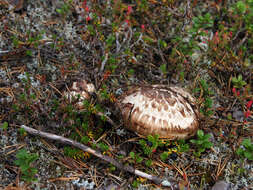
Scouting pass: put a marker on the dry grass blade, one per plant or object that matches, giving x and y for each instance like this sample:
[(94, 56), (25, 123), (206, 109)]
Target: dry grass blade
[(221, 167)]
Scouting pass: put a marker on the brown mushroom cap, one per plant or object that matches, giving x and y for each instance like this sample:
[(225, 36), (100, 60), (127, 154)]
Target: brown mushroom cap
[(81, 89), (169, 112)]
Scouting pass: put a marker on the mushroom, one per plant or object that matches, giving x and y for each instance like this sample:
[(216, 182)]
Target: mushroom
[(79, 91), (170, 112)]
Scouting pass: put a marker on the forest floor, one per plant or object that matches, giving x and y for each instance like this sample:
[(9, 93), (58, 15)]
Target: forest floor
[(204, 46)]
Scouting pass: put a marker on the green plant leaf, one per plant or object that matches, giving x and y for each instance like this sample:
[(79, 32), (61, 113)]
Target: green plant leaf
[(150, 138), (4, 125), (240, 77), (142, 142), (163, 68), (248, 155), (206, 137), (132, 155), (85, 139), (138, 159), (164, 156), (162, 43), (200, 133), (247, 143), (24, 161), (202, 149), (207, 144), (241, 7), (148, 163), (197, 154), (239, 151), (234, 80)]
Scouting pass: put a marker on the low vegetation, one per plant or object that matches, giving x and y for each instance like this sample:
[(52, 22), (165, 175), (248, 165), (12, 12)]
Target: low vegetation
[(204, 46)]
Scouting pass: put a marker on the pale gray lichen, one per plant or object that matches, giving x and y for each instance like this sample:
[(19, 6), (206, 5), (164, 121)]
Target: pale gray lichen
[(24, 77), (82, 183), (119, 91), (121, 132)]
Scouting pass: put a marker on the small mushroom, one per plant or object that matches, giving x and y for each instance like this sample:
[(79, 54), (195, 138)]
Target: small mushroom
[(79, 91), (169, 112)]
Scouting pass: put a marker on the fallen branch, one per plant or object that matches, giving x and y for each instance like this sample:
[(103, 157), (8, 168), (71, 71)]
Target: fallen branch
[(130, 169)]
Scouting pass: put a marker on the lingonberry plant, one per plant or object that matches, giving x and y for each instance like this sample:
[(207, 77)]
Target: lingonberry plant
[(202, 143)]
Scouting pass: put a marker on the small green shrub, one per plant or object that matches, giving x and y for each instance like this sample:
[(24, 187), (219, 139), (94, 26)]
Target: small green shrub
[(75, 153), (164, 156), (202, 22), (148, 163), (24, 161), (206, 107), (238, 82), (65, 8), (202, 142), (182, 146), (173, 149), (150, 145), (136, 157), (247, 150), (135, 184), (103, 147), (4, 126)]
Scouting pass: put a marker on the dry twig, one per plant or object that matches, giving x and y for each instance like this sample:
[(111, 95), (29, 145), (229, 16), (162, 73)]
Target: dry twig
[(155, 179)]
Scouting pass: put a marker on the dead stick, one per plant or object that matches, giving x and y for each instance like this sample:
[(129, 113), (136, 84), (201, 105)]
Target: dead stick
[(130, 169)]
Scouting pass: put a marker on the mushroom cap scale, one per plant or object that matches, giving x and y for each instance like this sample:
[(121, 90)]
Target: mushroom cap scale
[(169, 112)]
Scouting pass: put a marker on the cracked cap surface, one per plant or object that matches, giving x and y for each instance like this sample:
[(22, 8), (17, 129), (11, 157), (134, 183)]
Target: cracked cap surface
[(169, 112)]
